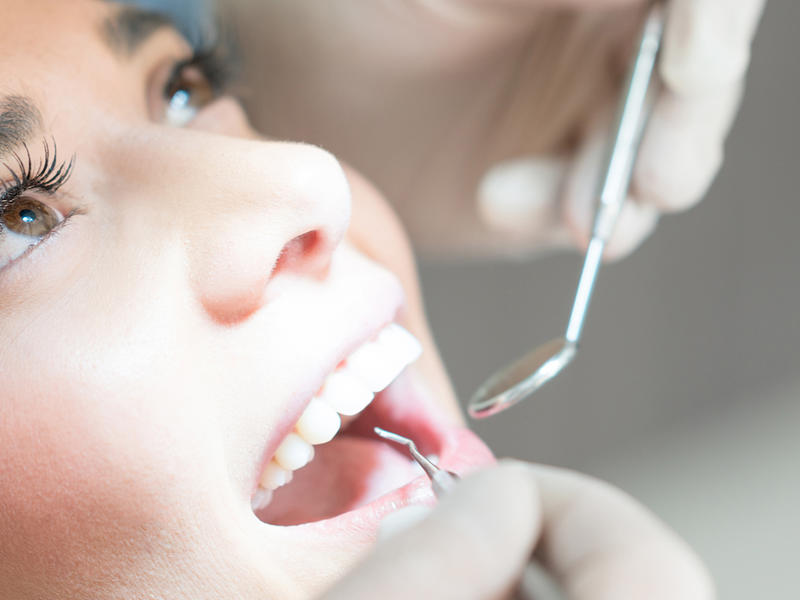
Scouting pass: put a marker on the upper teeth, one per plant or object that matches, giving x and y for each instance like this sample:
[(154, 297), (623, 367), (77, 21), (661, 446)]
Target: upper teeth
[(346, 391)]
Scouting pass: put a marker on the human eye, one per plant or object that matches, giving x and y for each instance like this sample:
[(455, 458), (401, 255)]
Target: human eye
[(197, 81), (27, 214)]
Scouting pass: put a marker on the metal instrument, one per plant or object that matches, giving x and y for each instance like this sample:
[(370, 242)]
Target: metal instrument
[(522, 378), (442, 481), (535, 582)]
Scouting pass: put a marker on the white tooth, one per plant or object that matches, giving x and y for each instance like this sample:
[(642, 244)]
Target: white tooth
[(294, 452), (379, 363), (274, 476), (261, 498), (345, 393), (406, 345), (318, 423), (375, 365)]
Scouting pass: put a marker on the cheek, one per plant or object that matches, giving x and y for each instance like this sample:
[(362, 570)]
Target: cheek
[(70, 496), (96, 479), (224, 116), (377, 232)]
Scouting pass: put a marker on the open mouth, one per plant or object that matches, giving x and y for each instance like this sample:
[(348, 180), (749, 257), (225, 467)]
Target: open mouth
[(333, 465)]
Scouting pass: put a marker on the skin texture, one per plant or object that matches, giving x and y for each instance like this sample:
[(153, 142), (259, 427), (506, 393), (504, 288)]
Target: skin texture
[(495, 114), (151, 345)]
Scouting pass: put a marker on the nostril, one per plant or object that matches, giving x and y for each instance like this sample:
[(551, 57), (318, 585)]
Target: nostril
[(301, 253)]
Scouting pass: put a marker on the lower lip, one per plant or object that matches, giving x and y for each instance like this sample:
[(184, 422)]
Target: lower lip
[(464, 454)]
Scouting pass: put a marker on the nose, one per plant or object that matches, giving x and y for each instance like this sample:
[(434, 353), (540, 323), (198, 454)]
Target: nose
[(250, 210)]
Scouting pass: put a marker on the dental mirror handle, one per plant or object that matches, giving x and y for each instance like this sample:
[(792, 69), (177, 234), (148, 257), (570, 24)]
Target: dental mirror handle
[(637, 100)]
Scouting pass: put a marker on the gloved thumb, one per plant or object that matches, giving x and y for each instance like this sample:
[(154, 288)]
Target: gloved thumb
[(472, 546)]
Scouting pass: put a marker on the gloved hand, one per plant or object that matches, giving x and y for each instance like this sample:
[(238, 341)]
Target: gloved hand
[(705, 55), (483, 121), (596, 541)]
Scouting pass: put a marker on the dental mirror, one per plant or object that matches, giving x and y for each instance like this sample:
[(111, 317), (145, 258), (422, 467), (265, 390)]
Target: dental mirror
[(519, 380), (522, 378)]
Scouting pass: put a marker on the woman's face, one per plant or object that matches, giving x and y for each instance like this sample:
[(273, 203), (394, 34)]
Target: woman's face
[(168, 309)]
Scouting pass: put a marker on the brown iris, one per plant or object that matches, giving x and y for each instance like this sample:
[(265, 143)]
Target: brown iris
[(194, 86), (30, 217)]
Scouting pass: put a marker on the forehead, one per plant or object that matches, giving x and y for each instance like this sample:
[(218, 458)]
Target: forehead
[(42, 27), (46, 41), (42, 44), (43, 24), (68, 57), (54, 28)]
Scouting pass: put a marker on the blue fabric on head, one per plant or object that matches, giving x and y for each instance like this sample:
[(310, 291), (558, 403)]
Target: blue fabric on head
[(192, 17)]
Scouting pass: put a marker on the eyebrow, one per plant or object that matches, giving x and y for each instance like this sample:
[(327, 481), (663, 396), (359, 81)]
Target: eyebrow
[(126, 29), (19, 120)]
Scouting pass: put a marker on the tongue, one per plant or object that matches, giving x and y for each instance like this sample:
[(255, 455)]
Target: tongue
[(346, 473)]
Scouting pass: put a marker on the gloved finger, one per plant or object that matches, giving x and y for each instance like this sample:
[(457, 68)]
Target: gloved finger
[(682, 147), (634, 225), (707, 44), (602, 545), (519, 199), (635, 221), (520, 194), (704, 59), (473, 546)]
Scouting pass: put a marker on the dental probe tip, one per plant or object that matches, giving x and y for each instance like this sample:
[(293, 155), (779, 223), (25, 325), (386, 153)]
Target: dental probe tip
[(442, 481), (388, 435)]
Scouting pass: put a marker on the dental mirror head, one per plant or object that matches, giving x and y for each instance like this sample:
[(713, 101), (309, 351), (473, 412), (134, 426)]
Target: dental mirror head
[(519, 380)]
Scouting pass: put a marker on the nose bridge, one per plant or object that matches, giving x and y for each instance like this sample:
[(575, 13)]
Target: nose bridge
[(250, 209)]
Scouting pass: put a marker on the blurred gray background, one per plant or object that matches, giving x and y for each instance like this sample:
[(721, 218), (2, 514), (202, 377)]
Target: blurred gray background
[(686, 391)]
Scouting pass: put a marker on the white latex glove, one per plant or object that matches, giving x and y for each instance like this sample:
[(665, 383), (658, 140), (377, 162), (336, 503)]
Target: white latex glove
[(483, 121), (596, 541), (705, 56)]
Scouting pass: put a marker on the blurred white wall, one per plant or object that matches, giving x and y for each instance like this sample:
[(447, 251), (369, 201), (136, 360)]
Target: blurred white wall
[(730, 484), (686, 388)]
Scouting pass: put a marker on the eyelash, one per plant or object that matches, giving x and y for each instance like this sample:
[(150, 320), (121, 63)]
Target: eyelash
[(216, 61), (48, 177)]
